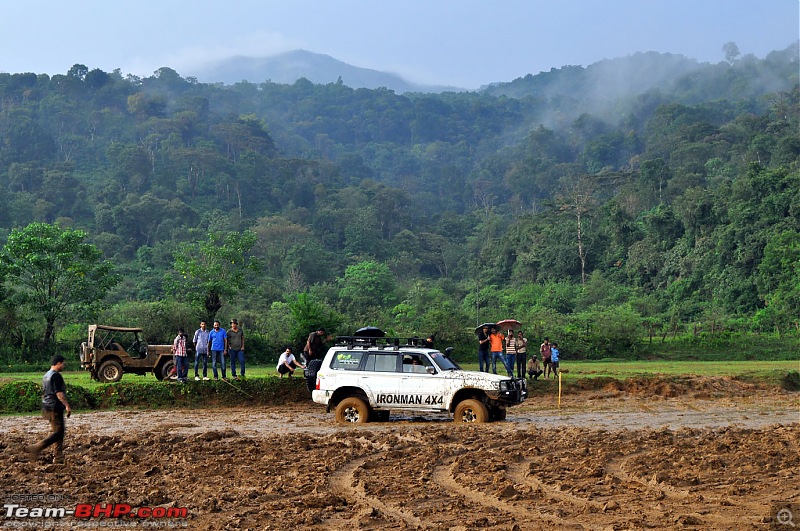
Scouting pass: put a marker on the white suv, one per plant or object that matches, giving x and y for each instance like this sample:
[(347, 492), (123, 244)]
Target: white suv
[(364, 378)]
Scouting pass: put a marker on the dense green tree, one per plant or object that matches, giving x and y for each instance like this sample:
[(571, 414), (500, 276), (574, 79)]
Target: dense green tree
[(52, 270), (210, 270)]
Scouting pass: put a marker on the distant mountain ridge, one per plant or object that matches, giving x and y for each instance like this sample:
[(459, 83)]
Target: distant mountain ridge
[(318, 68)]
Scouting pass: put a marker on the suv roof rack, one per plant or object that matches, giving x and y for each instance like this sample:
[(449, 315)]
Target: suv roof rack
[(381, 342)]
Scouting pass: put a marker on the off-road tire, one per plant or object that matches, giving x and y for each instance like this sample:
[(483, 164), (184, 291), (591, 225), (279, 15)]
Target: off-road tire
[(312, 368), (353, 410), (471, 410), (163, 372), (110, 371)]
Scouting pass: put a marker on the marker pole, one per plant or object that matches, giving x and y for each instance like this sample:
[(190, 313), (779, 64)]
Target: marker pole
[(559, 390)]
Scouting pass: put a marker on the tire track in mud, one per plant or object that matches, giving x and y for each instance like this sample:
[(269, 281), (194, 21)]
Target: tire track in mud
[(616, 468), (443, 475), (520, 476), (683, 502), (344, 481)]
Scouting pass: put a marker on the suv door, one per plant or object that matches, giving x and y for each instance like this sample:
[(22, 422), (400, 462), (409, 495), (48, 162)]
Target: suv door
[(380, 377), (423, 381)]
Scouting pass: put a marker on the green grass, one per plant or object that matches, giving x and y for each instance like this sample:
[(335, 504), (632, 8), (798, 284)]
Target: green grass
[(577, 369), (767, 370)]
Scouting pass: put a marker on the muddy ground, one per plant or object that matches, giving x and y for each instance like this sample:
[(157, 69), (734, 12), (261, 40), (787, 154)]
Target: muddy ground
[(705, 454)]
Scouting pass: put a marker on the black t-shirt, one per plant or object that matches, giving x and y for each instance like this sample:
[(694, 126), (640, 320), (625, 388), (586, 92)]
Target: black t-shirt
[(52, 384), (483, 347), (315, 345)]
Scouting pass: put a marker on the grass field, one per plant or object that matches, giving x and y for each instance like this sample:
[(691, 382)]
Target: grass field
[(757, 370)]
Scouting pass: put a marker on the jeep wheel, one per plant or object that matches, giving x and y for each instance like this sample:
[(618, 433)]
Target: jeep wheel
[(353, 410), (312, 368), (110, 371), (471, 411), (165, 370)]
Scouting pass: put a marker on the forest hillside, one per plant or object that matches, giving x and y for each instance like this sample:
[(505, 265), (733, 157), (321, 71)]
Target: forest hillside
[(635, 200)]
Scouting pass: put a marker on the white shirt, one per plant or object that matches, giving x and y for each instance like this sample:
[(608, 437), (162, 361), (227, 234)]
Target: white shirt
[(286, 357)]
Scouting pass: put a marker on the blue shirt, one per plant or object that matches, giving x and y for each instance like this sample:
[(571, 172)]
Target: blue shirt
[(554, 355), (201, 341), (217, 339)]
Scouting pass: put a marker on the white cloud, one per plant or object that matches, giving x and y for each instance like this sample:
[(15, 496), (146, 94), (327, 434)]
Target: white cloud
[(189, 58)]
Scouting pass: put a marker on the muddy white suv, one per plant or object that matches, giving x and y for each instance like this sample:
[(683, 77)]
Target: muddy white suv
[(364, 378)]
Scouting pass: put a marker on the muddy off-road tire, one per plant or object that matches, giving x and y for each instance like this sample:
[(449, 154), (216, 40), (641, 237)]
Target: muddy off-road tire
[(110, 371), (471, 411), (163, 372), (353, 410), (312, 368)]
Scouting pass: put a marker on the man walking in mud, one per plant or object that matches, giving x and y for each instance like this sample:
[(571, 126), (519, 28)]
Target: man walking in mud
[(54, 406)]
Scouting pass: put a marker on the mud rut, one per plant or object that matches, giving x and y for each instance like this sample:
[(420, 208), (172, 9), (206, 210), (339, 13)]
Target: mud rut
[(293, 468)]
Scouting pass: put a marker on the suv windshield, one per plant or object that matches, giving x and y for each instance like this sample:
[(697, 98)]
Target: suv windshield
[(442, 362)]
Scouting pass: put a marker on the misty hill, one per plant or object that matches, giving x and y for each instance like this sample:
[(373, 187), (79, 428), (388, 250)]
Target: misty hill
[(687, 80), (320, 69)]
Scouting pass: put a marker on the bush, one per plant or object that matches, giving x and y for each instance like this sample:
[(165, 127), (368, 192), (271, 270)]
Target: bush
[(20, 397), (791, 382)]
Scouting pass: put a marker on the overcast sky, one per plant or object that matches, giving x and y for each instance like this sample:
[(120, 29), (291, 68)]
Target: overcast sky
[(466, 43)]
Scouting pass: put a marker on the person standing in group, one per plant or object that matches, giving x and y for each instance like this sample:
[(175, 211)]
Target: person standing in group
[(555, 357), (236, 348), (521, 346), (54, 406), (218, 345), (545, 351), (496, 347), (483, 349), (179, 355), (315, 345), (511, 353), (201, 350), (287, 363)]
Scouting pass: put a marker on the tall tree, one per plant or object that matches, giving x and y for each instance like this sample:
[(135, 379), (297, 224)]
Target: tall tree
[(51, 269), (212, 269), (577, 197)]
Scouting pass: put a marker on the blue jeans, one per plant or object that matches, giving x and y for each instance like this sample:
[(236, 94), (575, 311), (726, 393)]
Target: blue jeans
[(483, 360), (215, 356), (495, 357), (182, 366), (509, 361), (236, 355), (197, 357)]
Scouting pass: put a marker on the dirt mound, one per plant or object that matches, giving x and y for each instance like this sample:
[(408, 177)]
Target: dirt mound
[(699, 387)]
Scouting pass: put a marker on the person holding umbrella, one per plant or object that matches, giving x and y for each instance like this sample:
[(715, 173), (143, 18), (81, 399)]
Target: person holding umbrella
[(510, 358), (496, 339), (483, 347)]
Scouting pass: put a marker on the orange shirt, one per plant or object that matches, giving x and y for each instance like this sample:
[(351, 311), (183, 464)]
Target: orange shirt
[(496, 339)]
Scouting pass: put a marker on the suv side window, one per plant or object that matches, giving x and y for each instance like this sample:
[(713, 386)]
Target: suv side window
[(417, 363), (381, 362), (347, 360)]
